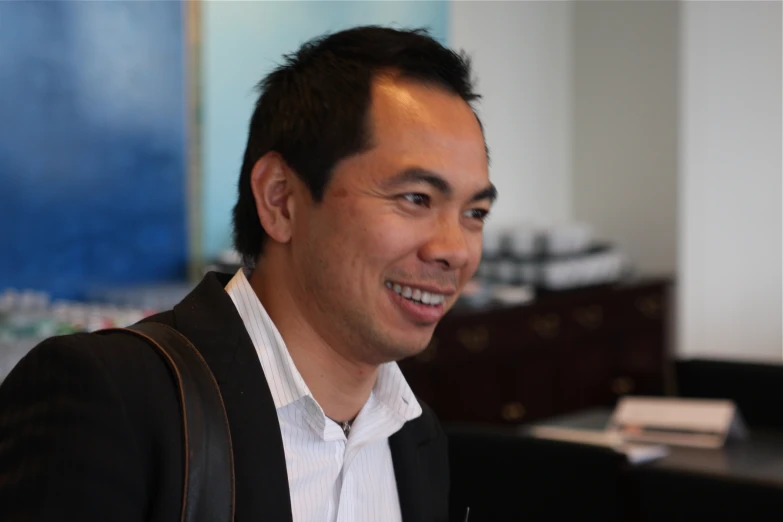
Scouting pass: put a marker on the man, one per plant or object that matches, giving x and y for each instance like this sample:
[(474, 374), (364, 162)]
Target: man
[(361, 204)]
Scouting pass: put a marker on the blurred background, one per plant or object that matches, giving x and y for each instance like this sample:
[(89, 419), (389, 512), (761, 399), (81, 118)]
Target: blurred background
[(636, 246)]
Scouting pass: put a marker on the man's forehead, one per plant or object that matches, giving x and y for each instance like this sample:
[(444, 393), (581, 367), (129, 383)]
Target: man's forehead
[(409, 134), (405, 102), (413, 121), (396, 96)]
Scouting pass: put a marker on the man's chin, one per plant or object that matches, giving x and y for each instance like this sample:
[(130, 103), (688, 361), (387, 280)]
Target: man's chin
[(411, 349)]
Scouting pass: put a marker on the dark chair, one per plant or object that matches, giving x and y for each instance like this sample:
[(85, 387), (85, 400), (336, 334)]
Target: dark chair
[(671, 496), (505, 477), (756, 388)]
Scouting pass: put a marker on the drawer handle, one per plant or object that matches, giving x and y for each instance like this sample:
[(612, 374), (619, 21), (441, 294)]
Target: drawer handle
[(513, 411), (590, 317), (623, 385), (649, 306), (546, 326), (429, 352), (474, 340)]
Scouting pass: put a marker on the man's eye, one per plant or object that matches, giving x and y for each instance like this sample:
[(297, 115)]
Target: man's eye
[(478, 213), (421, 200)]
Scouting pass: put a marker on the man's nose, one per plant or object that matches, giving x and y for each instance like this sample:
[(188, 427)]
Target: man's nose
[(448, 245)]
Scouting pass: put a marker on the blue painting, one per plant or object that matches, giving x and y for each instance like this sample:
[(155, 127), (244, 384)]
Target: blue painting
[(92, 145)]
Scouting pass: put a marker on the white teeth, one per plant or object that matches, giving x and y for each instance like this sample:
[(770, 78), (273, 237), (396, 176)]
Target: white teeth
[(427, 298)]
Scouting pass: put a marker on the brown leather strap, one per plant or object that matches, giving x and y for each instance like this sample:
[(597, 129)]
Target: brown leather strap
[(208, 487)]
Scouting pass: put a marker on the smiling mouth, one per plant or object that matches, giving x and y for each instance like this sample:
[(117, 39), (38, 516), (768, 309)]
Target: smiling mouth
[(416, 295)]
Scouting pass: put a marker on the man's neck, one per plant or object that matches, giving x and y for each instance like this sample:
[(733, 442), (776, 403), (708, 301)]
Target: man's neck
[(339, 383)]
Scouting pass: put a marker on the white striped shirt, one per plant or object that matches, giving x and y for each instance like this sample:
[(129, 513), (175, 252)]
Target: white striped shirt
[(331, 478)]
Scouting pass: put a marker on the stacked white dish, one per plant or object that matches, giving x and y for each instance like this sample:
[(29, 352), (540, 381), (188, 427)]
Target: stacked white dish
[(551, 258)]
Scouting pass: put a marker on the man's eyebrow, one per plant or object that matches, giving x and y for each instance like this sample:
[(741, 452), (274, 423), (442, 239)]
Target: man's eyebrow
[(490, 193), (418, 175)]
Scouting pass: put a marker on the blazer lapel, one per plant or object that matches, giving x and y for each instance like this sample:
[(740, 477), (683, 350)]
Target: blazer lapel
[(410, 473), (208, 317)]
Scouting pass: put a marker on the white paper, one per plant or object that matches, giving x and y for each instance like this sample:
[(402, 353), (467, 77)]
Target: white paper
[(635, 453)]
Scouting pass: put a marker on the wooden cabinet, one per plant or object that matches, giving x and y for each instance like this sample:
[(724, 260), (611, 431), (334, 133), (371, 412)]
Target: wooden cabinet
[(564, 352)]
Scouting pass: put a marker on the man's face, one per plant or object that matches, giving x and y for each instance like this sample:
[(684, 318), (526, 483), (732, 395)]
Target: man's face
[(399, 230)]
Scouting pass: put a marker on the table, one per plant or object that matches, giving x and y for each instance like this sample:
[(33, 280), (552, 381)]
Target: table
[(741, 481)]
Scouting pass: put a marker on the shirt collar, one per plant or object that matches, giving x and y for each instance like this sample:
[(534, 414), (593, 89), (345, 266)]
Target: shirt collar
[(392, 390), (285, 382)]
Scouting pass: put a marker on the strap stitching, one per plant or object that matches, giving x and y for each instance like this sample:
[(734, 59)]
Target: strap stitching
[(181, 392), (223, 408)]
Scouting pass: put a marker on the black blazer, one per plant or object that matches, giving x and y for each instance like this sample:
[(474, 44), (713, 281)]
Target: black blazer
[(90, 428)]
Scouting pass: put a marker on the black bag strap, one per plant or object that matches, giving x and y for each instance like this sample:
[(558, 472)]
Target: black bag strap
[(208, 484)]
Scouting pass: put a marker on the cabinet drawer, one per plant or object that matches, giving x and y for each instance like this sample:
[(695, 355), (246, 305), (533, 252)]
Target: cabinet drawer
[(641, 361), (506, 330), (644, 307), (596, 314), (470, 392), (467, 338), (587, 368), (535, 384), (505, 390), (543, 327)]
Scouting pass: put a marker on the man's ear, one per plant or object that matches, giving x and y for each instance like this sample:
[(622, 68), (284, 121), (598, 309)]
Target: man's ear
[(273, 190)]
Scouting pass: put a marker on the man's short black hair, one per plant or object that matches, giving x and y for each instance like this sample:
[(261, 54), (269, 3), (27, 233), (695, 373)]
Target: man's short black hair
[(313, 108)]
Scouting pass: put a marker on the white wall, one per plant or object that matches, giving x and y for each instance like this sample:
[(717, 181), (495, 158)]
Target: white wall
[(521, 56), (625, 121), (660, 124), (730, 185)]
